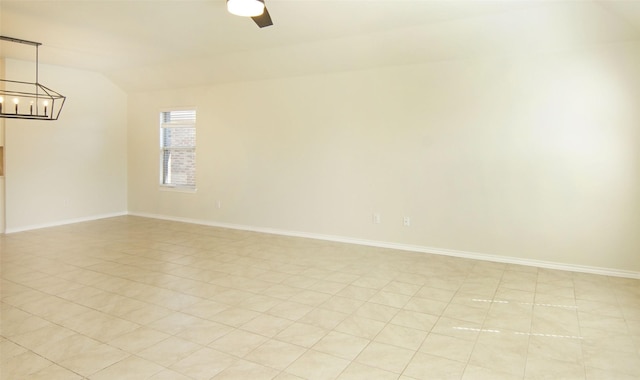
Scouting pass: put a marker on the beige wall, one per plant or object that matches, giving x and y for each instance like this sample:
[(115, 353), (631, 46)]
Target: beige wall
[(2, 197), (70, 169), (532, 158)]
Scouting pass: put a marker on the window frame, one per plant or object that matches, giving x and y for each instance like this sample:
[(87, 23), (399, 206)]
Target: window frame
[(162, 148)]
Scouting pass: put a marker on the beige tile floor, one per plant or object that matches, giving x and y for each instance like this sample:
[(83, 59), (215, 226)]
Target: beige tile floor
[(136, 298)]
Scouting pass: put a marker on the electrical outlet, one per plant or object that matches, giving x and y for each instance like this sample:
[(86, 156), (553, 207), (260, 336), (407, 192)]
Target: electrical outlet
[(218, 204), (376, 218), (406, 221)]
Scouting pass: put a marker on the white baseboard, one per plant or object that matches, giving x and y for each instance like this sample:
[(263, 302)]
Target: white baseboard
[(407, 247), (64, 222)]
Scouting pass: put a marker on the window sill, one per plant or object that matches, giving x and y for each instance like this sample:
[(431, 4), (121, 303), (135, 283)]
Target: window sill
[(178, 189)]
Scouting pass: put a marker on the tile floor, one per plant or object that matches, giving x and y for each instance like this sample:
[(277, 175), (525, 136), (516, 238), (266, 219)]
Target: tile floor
[(136, 298)]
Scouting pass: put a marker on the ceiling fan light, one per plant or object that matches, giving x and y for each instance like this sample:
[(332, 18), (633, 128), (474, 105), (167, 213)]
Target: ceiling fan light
[(245, 8)]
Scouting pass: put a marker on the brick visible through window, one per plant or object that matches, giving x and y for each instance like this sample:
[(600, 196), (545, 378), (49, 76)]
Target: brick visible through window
[(178, 149)]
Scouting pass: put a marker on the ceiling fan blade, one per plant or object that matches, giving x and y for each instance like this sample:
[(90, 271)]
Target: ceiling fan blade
[(264, 19)]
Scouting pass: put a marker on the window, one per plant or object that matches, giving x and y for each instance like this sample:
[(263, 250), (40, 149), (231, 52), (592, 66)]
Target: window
[(178, 149)]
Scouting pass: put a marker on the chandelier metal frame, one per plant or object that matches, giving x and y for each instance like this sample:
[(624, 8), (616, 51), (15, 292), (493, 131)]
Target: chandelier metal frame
[(29, 100)]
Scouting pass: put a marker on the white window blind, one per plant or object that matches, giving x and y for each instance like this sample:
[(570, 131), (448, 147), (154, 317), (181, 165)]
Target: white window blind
[(178, 149)]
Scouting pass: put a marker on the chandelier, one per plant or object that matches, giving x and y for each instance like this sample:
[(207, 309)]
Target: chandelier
[(28, 100)]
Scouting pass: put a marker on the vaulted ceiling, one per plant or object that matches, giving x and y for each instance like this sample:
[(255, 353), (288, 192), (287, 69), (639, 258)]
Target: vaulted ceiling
[(155, 44)]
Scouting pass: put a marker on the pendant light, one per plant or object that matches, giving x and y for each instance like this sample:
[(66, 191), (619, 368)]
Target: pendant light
[(28, 100)]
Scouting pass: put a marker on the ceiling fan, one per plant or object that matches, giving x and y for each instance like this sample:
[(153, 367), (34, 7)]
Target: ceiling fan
[(255, 9)]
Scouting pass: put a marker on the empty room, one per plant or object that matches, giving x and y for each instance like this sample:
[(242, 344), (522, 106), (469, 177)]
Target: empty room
[(319, 189)]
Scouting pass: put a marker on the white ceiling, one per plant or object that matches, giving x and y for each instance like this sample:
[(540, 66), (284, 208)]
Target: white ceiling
[(154, 44)]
